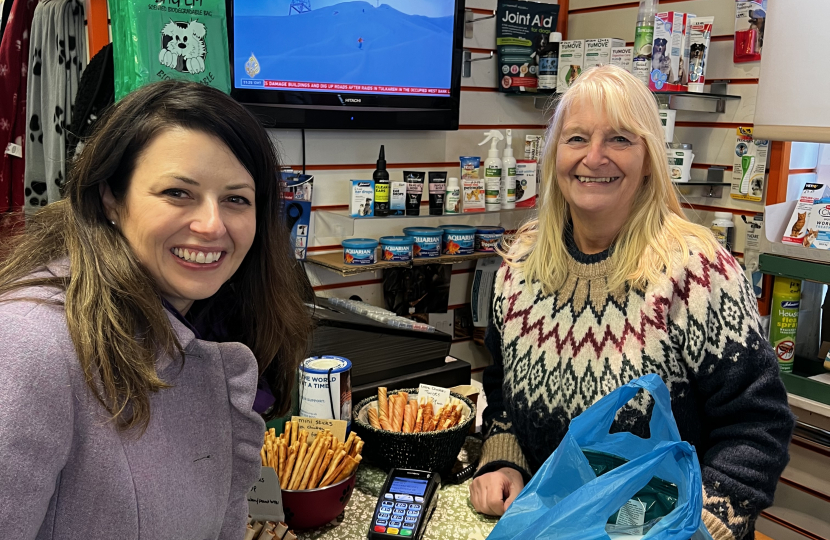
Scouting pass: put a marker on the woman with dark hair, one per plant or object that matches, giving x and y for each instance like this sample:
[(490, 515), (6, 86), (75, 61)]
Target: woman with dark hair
[(118, 419)]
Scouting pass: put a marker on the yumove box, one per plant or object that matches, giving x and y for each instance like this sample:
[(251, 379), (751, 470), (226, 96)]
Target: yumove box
[(571, 59), (622, 57), (598, 51), (670, 52)]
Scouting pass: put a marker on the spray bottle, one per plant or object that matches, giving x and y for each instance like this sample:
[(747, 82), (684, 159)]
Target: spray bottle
[(643, 38), (492, 171), (508, 175)]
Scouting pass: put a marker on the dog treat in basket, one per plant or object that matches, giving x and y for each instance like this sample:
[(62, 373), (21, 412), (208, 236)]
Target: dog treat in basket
[(300, 465), (397, 413)]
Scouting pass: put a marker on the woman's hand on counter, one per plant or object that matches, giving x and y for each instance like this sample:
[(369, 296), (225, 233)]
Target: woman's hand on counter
[(494, 492)]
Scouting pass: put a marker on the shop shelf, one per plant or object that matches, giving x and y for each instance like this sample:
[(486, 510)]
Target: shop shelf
[(715, 190), (800, 384), (334, 262), (790, 267), (712, 102), (339, 224)]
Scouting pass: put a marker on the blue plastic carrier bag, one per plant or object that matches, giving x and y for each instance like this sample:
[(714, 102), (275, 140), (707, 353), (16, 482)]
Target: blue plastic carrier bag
[(566, 500)]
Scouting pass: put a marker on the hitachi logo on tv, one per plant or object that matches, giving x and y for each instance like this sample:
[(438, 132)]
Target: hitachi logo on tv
[(353, 100)]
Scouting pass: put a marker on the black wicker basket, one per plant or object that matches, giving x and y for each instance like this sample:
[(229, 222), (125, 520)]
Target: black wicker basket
[(429, 451)]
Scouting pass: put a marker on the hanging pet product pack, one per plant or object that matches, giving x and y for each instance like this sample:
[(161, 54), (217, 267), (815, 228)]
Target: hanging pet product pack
[(749, 166), (523, 31), (156, 40)]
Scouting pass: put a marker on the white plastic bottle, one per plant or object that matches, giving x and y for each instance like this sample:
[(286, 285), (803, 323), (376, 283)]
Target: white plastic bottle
[(508, 175), (453, 197), (492, 172), (724, 230)]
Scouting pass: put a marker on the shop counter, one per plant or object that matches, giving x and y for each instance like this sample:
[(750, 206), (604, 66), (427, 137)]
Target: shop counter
[(454, 516)]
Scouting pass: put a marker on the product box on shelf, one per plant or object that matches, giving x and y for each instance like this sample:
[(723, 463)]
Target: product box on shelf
[(622, 57), (526, 184), (571, 60), (818, 226), (598, 51), (777, 224), (362, 197), (670, 52), (296, 190)]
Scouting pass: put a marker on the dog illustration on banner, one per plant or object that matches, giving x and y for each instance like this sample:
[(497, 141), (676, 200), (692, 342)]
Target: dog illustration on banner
[(183, 46)]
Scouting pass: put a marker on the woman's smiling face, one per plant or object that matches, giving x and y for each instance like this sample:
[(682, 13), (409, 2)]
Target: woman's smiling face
[(189, 214), (599, 169)]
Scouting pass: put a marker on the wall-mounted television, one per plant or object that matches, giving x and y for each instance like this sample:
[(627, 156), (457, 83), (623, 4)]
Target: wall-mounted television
[(348, 64)]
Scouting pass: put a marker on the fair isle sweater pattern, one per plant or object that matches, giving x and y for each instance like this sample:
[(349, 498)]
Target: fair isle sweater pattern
[(556, 354)]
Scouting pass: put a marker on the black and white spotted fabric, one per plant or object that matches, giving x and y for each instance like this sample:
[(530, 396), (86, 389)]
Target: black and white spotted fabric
[(57, 54)]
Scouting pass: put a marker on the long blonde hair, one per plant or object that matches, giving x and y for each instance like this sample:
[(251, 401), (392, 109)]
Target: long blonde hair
[(656, 235)]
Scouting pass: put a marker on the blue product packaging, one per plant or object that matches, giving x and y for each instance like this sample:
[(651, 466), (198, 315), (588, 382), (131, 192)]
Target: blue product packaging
[(488, 238), (397, 248), (459, 240), (296, 192), (359, 251), (362, 199), (427, 241)]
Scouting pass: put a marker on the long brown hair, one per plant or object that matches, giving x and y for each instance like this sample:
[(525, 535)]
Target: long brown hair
[(111, 300)]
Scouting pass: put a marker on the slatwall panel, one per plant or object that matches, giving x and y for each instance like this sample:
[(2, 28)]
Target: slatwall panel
[(335, 157)]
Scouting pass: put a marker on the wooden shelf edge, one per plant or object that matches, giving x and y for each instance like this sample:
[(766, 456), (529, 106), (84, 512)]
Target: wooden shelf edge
[(334, 262)]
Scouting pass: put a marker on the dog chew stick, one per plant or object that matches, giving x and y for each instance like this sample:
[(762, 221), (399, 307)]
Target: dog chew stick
[(408, 419), (349, 442), (400, 410), (287, 432), (332, 478), (428, 412), (295, 428), (383, 404), (373, 418), (357, 448), (349, 469), (318, 475), (312, 464), (419, 420), (249, 532), (280, 529), (258, 528), (306, 463), (262, 456), (289, 467), (266, 534), (298, 468), (334, 468), (283, 451)]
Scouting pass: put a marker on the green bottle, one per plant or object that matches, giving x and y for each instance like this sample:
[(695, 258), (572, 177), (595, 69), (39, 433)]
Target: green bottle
[(643, 39), (786, 298)]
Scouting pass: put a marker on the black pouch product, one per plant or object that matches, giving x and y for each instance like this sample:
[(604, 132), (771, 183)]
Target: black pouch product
[(437, 191), (648, 506), (414, 191), (522, 33)]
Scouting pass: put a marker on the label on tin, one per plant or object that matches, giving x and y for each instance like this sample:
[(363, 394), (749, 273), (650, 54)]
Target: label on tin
[(459, 244), (359, 256), (487, 242), (397, 253), (427, 246), (316, 425)]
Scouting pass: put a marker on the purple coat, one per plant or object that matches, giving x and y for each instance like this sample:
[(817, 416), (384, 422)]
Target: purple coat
[(67, 473)]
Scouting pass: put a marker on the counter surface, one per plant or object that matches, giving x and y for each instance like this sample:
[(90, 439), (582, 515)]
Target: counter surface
[(454, 517)]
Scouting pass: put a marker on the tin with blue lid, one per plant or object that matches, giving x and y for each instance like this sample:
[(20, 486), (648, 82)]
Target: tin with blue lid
[(427, 241), (326, 388), (359, 251), (488, 238), (459, 239), (397, 248)]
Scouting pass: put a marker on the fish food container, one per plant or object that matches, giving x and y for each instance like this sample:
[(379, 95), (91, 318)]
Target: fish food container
[(459, 240), (488, 238), (427, 241), (359, 251), (396, 248)]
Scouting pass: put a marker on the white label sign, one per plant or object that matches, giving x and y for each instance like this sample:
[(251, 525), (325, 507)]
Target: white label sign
[(265, 497), (440, 396), (15, 150)]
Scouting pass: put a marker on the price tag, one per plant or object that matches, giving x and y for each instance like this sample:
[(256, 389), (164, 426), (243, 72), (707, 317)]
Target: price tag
[(316, 425), (15, 150), (440, 396), (265, 497)]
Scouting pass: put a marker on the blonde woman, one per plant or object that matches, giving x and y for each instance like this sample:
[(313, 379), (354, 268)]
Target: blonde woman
[(612, 282)]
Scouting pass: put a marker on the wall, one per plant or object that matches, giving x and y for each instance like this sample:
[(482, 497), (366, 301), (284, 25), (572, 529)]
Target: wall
[(334, 157)]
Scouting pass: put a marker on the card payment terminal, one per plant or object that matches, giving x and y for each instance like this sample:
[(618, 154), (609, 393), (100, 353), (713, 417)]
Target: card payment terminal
[(406, 502)]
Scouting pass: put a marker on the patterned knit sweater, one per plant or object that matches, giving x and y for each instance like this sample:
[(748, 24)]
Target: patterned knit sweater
[(555, 355)]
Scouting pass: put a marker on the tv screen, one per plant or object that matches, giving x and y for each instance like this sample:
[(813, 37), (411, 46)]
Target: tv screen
[(340, 64)]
